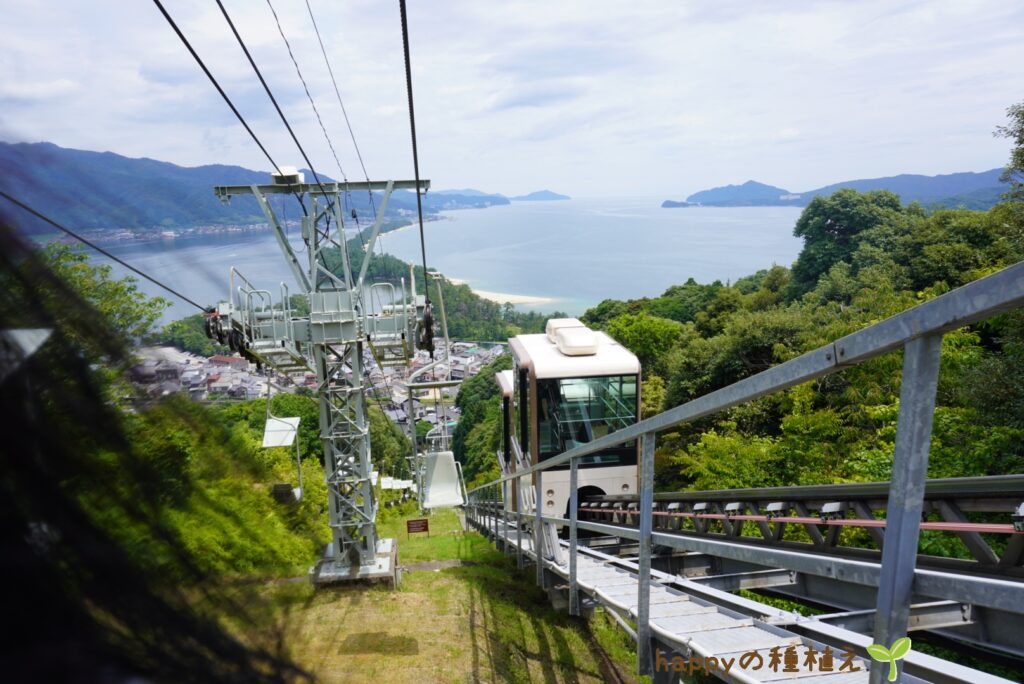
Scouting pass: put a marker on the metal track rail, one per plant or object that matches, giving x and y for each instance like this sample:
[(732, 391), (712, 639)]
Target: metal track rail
[(702, 623), (981, 611), (988, 546)]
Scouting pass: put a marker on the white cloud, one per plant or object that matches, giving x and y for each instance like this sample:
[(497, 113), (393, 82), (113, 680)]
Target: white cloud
[(37, 90), (644, 97)]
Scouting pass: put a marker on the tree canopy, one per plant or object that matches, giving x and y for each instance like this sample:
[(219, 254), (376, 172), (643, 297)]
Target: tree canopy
[(1014, 132)]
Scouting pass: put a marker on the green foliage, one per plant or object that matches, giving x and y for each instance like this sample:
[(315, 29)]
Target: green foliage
[(830, 226), (210, 478), (605, 311), (994, 382), (726, 461), (679, 303), (389, 446), (253, 415), (123, 307), (1014, 131), (652, 395), (478, 435), (202, 470), (649, 337), (749, 342), (471, 317), (481, 445), (187, 334), (207, 471)]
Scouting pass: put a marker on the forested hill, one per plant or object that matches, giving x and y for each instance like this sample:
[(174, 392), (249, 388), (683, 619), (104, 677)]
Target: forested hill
[(968, 190), (102, 190)]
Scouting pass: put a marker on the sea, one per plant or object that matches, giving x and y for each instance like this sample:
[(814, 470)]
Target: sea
[(546, 256)]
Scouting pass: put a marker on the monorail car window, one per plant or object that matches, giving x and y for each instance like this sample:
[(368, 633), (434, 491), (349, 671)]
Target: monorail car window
[(506, 427), (523, 395), (574, 411)]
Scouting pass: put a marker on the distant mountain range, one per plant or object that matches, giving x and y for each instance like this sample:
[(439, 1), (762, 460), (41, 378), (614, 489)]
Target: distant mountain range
[(971, 190), (101, 190)]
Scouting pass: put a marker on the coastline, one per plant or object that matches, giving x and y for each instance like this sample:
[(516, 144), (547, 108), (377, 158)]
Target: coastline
[(504, 297)]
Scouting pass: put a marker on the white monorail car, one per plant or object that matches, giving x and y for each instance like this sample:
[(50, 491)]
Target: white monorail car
[(569, 386)]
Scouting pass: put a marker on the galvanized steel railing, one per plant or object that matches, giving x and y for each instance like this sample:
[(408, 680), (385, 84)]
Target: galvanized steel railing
[(919, 332)]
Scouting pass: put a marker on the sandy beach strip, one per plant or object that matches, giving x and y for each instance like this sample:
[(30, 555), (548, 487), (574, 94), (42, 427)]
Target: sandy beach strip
[(503, 297)]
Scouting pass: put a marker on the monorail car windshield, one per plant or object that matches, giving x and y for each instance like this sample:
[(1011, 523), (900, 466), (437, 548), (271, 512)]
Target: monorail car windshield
[(574, 411)]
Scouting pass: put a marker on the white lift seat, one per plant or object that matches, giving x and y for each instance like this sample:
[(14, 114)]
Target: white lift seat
[(280, 432), (442, 481)]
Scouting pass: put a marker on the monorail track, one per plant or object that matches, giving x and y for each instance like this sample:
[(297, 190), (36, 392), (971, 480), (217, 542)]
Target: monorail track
[(814, 518), (698, 590)]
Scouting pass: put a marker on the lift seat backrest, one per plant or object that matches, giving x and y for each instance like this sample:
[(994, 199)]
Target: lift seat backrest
[(442, 481)]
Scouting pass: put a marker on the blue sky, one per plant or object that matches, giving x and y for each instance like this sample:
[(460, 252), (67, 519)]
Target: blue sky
[(623, 98)]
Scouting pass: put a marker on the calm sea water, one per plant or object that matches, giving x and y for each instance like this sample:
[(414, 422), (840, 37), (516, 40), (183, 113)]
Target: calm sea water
[(582, 251), (575, 252)]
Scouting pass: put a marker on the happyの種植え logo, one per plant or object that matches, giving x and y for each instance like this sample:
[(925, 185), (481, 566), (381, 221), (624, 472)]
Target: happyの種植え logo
[(899, 649)]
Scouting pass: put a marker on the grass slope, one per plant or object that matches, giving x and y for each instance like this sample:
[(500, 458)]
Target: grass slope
[(467, 615)]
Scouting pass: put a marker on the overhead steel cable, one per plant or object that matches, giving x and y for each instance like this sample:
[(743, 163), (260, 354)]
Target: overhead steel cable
[(351, 133), (99, 249), (224, 95), (305, 87), (415, 155), (270, 94), (344, 112), (323, 129)]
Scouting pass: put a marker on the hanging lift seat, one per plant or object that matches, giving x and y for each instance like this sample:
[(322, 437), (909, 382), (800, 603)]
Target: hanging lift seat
[(442, 481), (281, 432)]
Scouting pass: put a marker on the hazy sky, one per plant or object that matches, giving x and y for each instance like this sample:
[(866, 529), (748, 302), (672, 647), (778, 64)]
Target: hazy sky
[(631, 98)]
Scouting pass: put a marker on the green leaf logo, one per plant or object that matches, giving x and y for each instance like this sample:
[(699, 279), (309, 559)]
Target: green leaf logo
[(899, 649)]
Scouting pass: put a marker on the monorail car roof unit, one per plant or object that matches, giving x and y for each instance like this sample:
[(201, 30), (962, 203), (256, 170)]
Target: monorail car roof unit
[(571, 350)]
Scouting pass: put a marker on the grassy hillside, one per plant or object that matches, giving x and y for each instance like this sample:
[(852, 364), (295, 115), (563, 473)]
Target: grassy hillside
[(128, 529), (487, 622)]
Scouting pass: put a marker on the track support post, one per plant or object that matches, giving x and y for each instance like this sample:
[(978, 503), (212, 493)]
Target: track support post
[(643, 611), (906, 491), (574, 501), (519, 524), (538, 532)]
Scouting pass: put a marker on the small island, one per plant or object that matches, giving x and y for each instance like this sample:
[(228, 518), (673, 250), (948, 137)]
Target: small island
[(540, 196)]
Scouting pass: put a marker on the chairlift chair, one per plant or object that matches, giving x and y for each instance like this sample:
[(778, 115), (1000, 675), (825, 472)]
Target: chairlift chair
[(443, 484), (282, 432)]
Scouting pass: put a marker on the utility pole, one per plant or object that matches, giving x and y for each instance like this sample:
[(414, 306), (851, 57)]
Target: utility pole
[(329, 341)]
